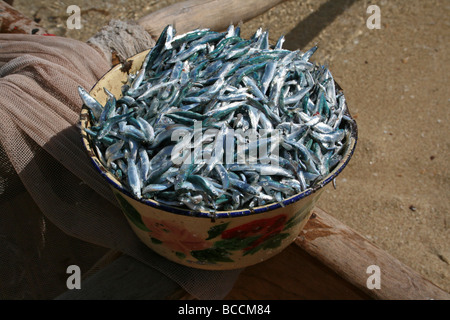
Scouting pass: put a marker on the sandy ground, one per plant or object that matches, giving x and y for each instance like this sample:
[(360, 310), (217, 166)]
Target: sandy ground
[(396, 189)]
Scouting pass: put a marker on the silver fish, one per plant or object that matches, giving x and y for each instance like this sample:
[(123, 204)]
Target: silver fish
[(212, 122)]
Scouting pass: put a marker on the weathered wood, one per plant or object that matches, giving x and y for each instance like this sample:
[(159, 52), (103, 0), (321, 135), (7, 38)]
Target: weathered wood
[(214, 14), (293, 275), (12, 21), (120, 40), (349, 254)]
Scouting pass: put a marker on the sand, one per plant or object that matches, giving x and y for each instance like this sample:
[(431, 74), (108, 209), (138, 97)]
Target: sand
[(396, 189)]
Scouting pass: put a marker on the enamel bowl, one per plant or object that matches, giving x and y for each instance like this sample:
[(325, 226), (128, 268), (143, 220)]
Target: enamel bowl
[(233, 239)]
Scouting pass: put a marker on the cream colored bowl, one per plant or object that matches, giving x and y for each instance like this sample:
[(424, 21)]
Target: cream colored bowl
[(232, 240)]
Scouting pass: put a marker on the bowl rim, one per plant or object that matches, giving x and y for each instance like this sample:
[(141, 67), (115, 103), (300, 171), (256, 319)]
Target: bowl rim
[(85, 118)]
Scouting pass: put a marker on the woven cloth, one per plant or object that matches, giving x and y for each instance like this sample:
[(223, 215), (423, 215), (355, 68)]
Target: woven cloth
[(41, 154)]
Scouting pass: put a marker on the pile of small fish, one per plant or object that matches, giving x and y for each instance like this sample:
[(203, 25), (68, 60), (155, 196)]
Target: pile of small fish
[(204, 93)]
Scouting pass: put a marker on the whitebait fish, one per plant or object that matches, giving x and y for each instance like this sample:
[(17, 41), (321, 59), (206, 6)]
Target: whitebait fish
[(216, 122)]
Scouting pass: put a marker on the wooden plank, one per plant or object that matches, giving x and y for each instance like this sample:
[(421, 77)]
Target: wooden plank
[(12, 21), (214, 14), (292, 275), (349, 254)]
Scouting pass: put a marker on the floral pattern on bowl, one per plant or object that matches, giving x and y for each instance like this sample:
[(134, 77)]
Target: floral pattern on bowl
[(221, 243)]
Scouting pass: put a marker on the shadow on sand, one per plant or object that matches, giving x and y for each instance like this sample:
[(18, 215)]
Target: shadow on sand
[(309, 28)]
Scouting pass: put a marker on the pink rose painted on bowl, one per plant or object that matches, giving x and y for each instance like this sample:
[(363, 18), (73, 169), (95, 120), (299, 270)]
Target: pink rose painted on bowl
[(174, 236)]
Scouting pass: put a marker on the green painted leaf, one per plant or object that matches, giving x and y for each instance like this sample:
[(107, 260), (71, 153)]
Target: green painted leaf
[(155, 241), (235, 243), (212, 255), (275, 241), (131, 213), (271, 243), (298, 217), (216, 230), (180, 255), (253, 250)]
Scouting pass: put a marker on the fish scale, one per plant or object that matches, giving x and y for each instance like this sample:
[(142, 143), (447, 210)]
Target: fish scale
[(207, 85)]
